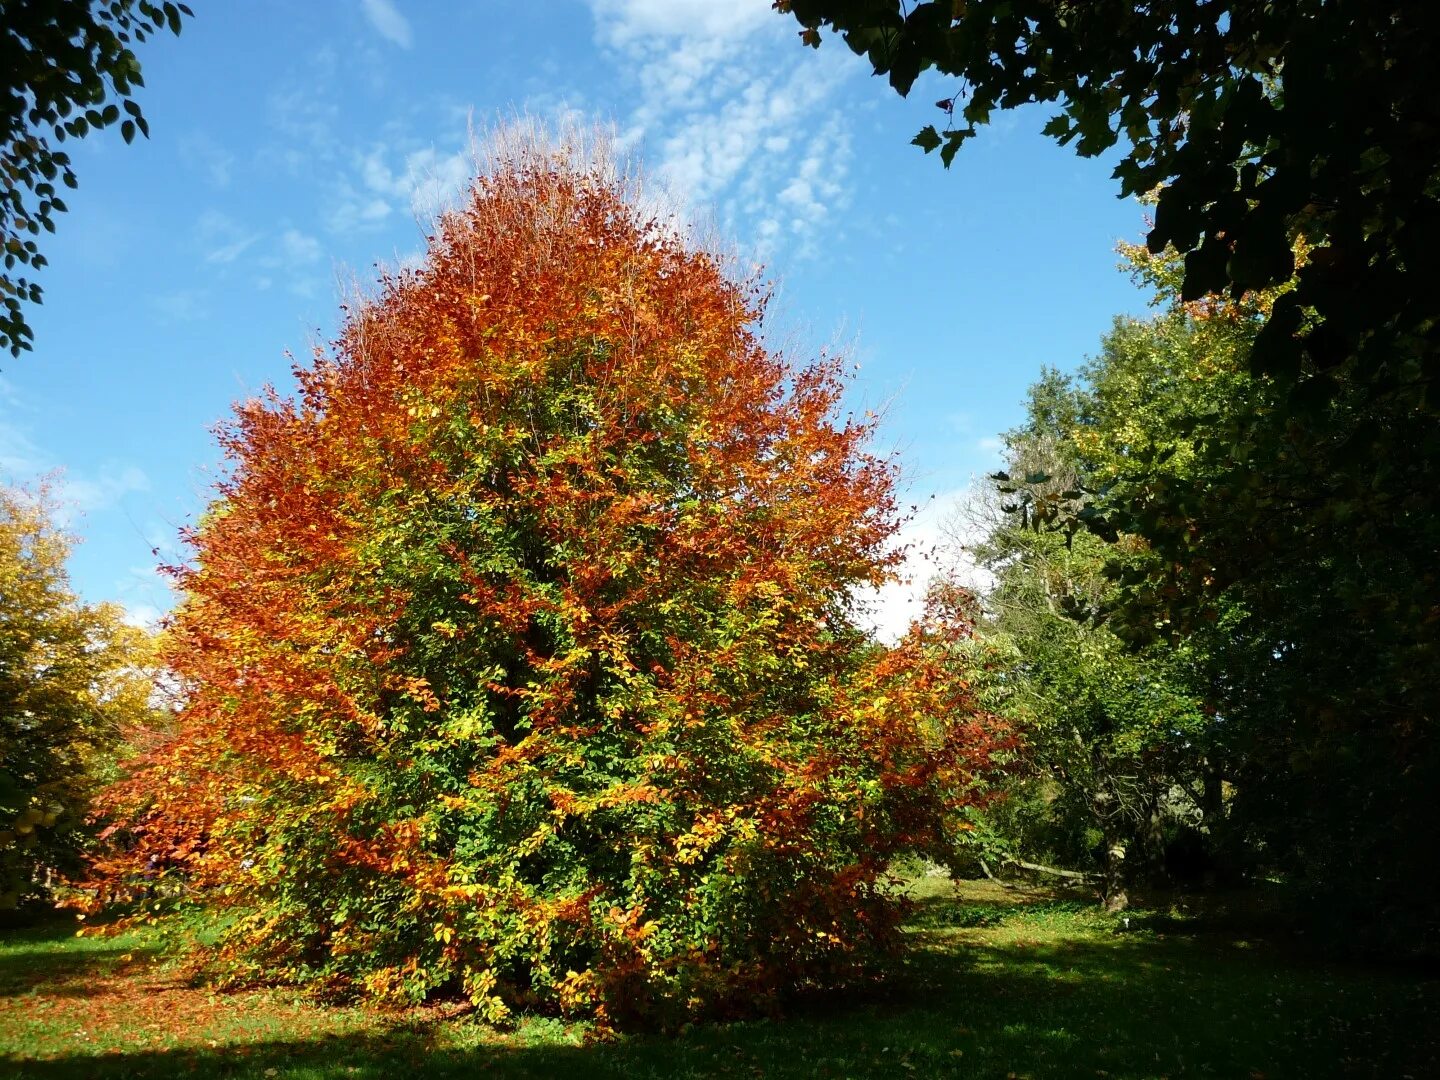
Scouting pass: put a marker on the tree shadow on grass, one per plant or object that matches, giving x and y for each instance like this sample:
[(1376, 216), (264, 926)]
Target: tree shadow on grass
[(1137, 1006), (31, 961)]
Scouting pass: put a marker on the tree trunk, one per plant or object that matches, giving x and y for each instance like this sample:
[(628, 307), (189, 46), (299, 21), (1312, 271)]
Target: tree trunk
[(1213, 798), (1105, 807), (1074, 875), (1152, 840), (1116, 898), (992, 877)]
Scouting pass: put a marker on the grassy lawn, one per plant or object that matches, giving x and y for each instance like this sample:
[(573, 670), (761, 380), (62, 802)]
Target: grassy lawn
[(997, 984)]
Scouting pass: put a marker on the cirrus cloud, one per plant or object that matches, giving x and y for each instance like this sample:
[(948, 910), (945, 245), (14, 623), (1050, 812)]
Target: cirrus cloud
[(387, 21)]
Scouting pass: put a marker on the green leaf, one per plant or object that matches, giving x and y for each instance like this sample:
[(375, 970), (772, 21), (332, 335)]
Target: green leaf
[(953, 139), (1058, 127), (928, 139)]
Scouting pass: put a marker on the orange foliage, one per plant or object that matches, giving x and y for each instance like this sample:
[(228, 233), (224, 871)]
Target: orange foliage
[(519, 647)]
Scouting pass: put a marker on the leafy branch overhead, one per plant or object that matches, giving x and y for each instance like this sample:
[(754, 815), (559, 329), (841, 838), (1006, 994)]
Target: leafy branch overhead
[(71, 70), (1253, 126)]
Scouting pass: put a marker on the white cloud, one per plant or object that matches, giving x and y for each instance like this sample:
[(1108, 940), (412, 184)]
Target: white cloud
[(24, 461), (292, 260), (204, 154), (385, 17), (353, 210), (96, 492), (934, 537), (144, 590), (104, 489), (299, 249), (421, 181), (20, 458), (733, 112), (634, 22), (143, 616), (180, 306), (228, 253), (436, 181), (990, 445), (308, 119), (222, 239)]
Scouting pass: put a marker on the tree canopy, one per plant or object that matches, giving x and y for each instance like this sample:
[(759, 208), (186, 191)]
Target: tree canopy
[(71, 71), (1252, 121), (1291, 566), (75, 684), (520, 649)]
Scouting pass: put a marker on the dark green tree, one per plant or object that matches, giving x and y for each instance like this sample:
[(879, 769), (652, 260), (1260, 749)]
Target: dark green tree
[(71, 70), (1257, 122), (1303, 550), (1296, 564), (1113, 759)]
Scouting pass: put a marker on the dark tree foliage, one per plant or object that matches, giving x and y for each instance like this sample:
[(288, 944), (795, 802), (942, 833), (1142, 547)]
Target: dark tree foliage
[(1258, 121), (1297, 564), (66, 68), (1324, 535)]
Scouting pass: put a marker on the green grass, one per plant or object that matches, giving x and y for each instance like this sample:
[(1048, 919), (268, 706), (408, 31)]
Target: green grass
[(996, 983)]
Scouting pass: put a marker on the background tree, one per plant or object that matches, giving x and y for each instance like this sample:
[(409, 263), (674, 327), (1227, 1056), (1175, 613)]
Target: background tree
[(74, 681), (1294, 564), (1111, 737), (71, 70), (520, 648), (1288, 516), (1256, 122), (1304, 554)]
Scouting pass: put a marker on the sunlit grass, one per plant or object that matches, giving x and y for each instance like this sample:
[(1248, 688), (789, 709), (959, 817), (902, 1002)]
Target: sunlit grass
[(996, 982)]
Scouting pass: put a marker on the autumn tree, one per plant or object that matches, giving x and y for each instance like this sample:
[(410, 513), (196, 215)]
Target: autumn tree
[(74, 681), (520, 646)]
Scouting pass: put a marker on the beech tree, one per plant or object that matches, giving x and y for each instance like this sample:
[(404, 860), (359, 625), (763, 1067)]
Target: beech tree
[(520, 646)]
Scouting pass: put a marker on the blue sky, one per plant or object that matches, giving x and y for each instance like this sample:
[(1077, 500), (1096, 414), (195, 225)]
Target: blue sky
[(294, 146)]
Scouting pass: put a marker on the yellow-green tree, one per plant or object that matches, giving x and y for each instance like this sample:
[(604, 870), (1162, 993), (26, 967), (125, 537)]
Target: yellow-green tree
[(73, 680)]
